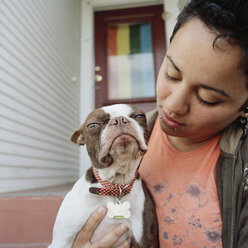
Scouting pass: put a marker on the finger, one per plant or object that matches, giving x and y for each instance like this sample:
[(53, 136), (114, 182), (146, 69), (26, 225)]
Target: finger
[(111, 237), (125, 244), (89, 227)]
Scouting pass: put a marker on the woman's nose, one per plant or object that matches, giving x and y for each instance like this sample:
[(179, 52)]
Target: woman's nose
[(178, 102)]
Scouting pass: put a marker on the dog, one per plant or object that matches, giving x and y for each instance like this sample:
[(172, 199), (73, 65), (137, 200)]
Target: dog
[(116, 139)]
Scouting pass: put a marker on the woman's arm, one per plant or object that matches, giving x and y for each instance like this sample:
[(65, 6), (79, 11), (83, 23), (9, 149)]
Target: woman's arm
[(243, 226)]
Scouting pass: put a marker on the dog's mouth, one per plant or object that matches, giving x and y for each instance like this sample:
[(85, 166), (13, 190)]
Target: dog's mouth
[(122, 143), (123, 140)]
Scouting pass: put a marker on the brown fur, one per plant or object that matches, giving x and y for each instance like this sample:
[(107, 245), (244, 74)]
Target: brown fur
[(152, 233), (90, 176), (90, 136)]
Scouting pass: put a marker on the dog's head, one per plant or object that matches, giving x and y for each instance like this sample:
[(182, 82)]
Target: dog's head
[(112, 133)]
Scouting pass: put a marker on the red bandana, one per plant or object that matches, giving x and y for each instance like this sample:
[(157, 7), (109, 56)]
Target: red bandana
[(110, 189)]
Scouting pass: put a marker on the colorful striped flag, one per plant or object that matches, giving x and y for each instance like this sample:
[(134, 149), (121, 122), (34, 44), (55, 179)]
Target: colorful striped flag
[(130, 61)]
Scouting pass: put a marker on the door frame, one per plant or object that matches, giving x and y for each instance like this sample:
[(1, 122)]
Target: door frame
[(87, 63)]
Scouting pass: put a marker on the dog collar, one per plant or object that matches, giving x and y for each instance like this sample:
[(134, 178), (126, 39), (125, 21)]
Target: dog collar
[(109, 189)]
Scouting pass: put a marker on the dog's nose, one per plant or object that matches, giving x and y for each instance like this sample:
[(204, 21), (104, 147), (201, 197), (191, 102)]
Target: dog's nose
[(119, 121)]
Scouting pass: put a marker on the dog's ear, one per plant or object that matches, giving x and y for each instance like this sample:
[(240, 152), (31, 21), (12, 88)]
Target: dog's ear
[(78, 137)]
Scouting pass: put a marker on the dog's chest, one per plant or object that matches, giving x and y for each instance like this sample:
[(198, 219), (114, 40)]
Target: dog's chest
[(91, 201)]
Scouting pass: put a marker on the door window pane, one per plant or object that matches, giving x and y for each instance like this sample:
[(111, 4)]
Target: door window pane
[(130, 61)]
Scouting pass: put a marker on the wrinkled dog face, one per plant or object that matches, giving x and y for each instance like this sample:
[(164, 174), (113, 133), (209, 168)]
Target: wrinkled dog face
[(112, 132)]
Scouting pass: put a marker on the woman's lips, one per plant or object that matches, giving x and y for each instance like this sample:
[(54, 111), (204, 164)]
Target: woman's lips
[(170, 122)]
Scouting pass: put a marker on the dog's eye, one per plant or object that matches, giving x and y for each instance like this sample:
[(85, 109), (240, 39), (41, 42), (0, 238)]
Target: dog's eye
[(140, 116), (92, 125)]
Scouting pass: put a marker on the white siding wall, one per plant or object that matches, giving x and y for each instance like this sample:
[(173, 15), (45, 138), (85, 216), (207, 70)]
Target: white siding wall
[(39, 56)]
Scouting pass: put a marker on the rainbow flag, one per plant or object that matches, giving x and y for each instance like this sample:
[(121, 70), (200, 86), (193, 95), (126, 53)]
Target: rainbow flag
[(130, 61)]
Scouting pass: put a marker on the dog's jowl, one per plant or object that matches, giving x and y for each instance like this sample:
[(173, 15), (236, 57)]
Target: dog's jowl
[(116, 139)]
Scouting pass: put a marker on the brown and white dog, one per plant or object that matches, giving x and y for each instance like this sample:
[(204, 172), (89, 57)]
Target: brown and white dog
[(115, 137)]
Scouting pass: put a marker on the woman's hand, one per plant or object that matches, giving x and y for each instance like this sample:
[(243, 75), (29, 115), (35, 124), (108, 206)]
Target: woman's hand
[(107, 241)]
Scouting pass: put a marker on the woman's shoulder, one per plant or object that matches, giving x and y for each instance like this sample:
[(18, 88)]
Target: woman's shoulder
[(232, 138)]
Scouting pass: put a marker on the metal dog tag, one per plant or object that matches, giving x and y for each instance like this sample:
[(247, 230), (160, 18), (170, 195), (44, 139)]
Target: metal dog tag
[(118, 210)]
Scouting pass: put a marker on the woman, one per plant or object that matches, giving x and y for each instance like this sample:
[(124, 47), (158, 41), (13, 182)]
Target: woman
[(198, 178)]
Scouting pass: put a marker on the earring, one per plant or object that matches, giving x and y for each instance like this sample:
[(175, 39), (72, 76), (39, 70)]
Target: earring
[(243, 121)]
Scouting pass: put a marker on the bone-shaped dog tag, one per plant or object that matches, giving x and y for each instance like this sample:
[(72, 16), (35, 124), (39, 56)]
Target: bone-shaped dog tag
[(118, 210)]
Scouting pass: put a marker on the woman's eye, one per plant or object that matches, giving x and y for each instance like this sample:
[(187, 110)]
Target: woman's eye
[(171, 78), (92, 125), (206, 103)]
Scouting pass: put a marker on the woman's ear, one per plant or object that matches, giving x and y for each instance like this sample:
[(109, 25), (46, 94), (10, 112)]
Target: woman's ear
[(244, 110), (243, 114), (243, 117)]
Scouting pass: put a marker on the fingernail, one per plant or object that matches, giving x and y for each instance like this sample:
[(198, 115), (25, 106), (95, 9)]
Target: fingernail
[(124, 227), (101, 210)]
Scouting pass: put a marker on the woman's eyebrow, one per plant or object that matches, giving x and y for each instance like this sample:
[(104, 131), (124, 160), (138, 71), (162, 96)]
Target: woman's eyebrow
[(207, 87), (204, 86), (173, 63)]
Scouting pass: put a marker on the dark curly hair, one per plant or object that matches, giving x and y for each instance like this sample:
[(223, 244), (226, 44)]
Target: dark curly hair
[(227, 18)]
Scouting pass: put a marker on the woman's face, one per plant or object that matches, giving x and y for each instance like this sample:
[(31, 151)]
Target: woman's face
[(200, 88)]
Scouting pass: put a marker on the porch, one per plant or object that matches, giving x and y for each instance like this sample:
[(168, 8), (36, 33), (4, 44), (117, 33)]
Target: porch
[(27, 217)]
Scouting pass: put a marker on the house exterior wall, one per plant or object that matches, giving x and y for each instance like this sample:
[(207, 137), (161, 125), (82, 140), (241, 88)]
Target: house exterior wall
[(39, 92)]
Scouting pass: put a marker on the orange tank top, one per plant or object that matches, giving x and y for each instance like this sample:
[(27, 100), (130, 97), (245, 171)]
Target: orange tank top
[(184, 190)]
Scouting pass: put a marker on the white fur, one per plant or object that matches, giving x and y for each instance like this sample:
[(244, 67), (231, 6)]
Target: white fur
[(79, 203), (125, 110), (115, 110)]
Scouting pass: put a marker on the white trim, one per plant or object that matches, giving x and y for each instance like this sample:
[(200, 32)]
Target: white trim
[(87, 94), (171, 8), (87, 91)]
